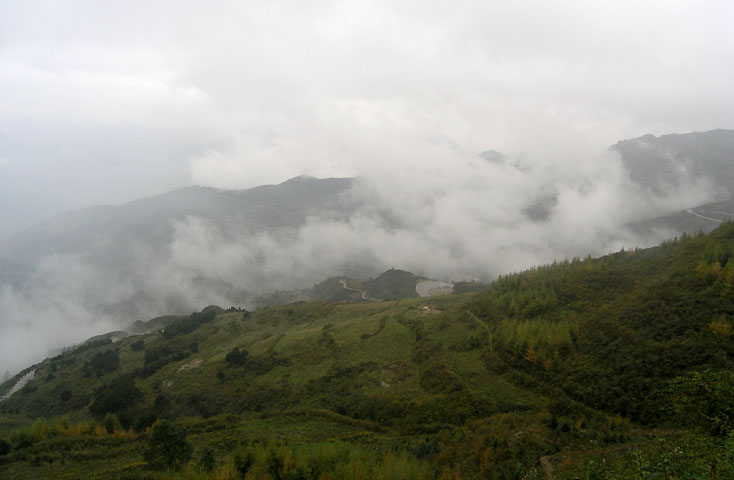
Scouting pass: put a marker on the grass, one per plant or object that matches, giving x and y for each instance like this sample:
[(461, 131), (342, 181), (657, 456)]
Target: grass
[(395, 390)]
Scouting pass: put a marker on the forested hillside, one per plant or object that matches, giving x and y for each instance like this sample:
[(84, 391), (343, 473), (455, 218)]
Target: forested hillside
[(615, 367)]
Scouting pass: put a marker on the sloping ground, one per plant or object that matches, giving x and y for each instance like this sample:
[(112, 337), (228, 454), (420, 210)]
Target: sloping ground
[(433, 288), (127, 249), (393, 284), (663, 162), (621, 325), (703, 218), (583, 361)]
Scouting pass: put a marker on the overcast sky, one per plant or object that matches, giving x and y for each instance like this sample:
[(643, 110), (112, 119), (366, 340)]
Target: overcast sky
[(102, 102)]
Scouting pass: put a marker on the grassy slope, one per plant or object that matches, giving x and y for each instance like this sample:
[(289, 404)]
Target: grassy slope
[(390, 285), (553, 363)]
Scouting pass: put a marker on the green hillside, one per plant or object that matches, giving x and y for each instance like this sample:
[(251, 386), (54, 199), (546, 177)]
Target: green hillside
[(617, 367), (390, 285)]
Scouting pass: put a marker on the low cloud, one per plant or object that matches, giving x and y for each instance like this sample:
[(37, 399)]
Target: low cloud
[(101, 105), (441, 211)]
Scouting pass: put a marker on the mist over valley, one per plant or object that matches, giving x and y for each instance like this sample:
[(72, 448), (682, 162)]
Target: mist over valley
[(80, 273), (366, 240)]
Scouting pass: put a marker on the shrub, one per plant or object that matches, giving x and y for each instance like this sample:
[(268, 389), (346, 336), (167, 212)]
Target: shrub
[(115, 396), (111, 423), (243, 460), (167, 447), (145, 420), (207, 459), (4, 447), (26, 437), (161, 403), (157, 357), (237, 356), (703, 399), (103, 362), (188, 324), (28, 388), (92, 344), (22, 438)]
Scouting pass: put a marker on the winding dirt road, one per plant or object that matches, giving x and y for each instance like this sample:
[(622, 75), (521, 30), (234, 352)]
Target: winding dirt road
[(363, 292), (690, 210)]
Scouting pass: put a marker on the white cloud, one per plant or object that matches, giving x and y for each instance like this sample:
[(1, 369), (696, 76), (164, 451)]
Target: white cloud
[(106, 101)]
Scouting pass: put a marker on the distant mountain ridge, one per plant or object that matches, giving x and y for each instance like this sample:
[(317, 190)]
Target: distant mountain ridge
[(665, 161), (174, 252), (149, 219), (654, 162), (124, 262)]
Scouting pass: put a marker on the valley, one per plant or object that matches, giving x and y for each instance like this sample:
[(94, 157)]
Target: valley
[(366, 240), (582, 369), (101, 268)]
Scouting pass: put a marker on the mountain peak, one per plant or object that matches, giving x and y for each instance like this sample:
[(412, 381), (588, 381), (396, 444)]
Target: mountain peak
[(300, 178)]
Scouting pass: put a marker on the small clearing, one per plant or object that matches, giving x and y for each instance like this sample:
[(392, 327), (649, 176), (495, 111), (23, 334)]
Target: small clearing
[(428, 310), (188, 366)]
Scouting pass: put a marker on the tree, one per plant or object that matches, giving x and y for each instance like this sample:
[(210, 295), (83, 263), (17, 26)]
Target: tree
[(65, 395), (161, 403), (102, 362), (111, 423), (236, 356), (207, 459), (167, 447), (703, 399), (4, 447), (115, 396)]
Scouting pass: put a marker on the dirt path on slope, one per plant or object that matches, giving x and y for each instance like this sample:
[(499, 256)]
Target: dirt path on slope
[(690, 210), (486, 327), (544, 461), (360, 290), (547, 468)]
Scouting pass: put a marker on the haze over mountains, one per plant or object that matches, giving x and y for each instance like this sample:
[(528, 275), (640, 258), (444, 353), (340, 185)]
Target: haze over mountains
[(100, 268), (615, 367), (340, 192), (669, 161)]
